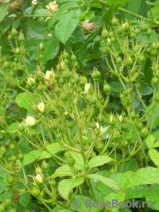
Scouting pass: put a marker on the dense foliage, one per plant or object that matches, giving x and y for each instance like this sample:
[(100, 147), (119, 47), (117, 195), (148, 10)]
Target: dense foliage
[(79, 112)]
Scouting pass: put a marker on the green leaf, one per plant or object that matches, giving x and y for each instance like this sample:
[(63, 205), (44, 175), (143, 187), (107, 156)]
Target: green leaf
[(98, 161), (154, 12), (133, 6), (156, 144), (154, 155), (3, 185), (5, 195), (108, 182), (3, 11), (51, 48), (63, 171), (118, 3), (153, 116), (152, 197), (118, 197), (54, 148), (61, 11), (79, 162), (130, 165), (44, 155), (143, 176), (12, 128), (150, 141), (66, 25), (116, 86), (66, 186), (24, 199), (137, 192), (3, 173), (25, 101), (145, 90), (31, 157)]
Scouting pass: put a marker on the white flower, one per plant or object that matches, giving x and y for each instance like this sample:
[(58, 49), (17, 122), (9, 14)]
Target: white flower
[(41, 107), (34, 2), (30, 81), (53, 6), (87, 88), (30, 121), (49, 75)]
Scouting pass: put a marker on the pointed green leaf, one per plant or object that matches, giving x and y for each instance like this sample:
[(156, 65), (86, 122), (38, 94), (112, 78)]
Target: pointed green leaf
[(117, 196), (51, 48), (12, 128), (108, 182), (79, 162), (117, 3), (44, 155), (61, 11), (3, 185), (143, 176), (25, 101), (3, 11), (152, 197), (24, 199), (137, 192), (66, 25), (99, 161), (156, 144), (150, 141), (66, 186), (154, 155), (31, 157), (63, 171), (54, 148)]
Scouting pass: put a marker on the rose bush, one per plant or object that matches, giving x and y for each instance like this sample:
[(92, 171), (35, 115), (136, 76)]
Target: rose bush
[(79, 106)]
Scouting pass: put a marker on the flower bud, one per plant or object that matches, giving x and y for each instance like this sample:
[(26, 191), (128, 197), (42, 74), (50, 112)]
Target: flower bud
[(34, 2), (30, 81), (30, 121), (38, 170), (87, 88), (38, 179), (49, 75), (126, 27), (112, 120), (41, 107)]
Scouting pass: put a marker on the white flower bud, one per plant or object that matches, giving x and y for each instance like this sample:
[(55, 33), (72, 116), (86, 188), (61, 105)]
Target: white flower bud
[(41, 107), (38, 179), (38, 170), (30, 81), (34, 2), (30, 121), (49, 75), (87, 88)]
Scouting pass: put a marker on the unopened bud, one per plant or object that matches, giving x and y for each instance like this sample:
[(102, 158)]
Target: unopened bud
[(30, 121), (38, 179), (30, 81), (49, 75), (87, 88), (41, 107)]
